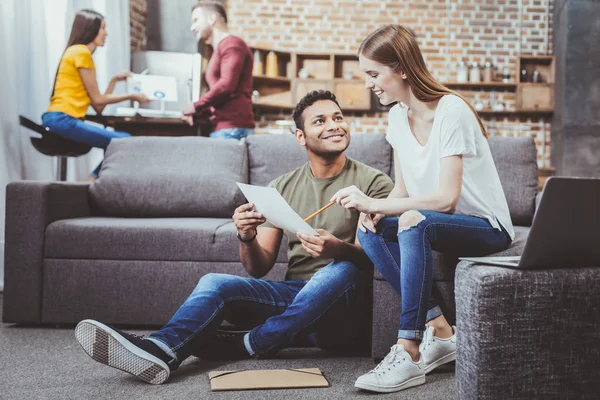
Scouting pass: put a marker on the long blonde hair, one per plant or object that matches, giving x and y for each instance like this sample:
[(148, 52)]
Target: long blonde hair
[(396, 47)]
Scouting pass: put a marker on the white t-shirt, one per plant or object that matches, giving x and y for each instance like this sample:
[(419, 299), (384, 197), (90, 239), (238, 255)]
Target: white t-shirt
[(455, 131)]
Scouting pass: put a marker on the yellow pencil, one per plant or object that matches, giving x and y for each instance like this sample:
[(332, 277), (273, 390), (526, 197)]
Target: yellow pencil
[(332, 202)]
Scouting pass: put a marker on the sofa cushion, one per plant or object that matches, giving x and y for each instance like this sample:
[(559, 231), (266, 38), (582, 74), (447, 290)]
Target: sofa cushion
[(444, 264), (170, 177), (159, 239), (271, 156), (516, 162)]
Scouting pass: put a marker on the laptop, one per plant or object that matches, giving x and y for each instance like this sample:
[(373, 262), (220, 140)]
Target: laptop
[(565, 231)]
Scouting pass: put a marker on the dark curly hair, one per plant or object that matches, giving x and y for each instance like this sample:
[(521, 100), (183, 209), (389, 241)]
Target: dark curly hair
[(307, 101)]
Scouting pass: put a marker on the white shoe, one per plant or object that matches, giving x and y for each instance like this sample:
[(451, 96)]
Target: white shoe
[(397, 371), (436, 351)]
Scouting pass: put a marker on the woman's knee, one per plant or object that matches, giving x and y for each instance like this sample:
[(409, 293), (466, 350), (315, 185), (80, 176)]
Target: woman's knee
[(409, 219)]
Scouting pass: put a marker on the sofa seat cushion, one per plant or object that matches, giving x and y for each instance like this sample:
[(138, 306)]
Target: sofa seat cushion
[(444, 265), (158, 239)]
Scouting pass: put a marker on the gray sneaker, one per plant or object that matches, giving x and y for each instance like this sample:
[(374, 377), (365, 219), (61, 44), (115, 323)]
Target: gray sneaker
[(436, 351), (125, 351), (397, 371)]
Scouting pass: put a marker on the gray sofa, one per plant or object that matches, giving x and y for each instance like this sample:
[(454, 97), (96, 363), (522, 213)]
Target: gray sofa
[(130, 247)]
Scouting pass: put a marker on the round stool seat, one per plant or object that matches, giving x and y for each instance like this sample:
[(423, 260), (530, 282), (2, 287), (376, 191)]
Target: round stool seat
[(52, 144)]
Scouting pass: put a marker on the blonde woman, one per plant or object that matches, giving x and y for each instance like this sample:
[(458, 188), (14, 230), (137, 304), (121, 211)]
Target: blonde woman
[(447, 197)]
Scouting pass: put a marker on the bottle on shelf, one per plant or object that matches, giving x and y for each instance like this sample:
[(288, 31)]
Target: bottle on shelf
[(475, 73), (488, 72), (257, 68), (462, 72), (506, 75), (272, 64), (524, 75)]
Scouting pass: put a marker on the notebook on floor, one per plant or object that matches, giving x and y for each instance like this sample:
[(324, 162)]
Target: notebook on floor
[(267, 379), (565, 230)]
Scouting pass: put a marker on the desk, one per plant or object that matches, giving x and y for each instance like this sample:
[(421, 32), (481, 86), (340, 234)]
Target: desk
[(152, 126)]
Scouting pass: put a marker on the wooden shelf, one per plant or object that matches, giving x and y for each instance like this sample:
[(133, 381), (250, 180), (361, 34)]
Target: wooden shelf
[(271, 106), (503, 85), (537, 112), (269, 79)]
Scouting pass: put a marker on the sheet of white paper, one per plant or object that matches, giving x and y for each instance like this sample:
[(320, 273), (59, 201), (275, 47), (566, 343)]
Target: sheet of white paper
[(155, 87), (269, 202)]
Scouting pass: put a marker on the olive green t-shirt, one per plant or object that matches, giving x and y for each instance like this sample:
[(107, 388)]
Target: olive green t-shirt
[(306, 194)]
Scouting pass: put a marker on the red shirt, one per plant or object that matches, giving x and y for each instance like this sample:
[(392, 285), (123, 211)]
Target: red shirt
[(229, 77)]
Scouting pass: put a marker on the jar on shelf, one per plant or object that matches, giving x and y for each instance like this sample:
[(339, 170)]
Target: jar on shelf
[(488, 72), (475, 73), (272, 64), (506, 75), (257, 67), (462, 72)]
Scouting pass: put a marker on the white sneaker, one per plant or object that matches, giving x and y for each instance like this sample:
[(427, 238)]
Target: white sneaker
[(397, 371), (436, 351)]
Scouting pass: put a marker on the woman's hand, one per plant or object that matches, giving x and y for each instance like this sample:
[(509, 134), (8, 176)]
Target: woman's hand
[(353, 197), (140, 98), (369, 221), (122, 76)]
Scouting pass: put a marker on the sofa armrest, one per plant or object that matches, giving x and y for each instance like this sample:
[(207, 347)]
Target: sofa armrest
[(30, 208), (527, 333)]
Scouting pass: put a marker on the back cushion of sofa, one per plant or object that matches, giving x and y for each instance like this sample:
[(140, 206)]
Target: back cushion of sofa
[(170, 177), (271, 156), (516, 162)]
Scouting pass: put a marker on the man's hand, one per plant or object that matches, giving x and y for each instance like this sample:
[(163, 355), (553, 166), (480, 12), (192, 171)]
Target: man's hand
[(246, 219), (188, 119), (190, 109), (353, 197), (369, 221), (324, 246)]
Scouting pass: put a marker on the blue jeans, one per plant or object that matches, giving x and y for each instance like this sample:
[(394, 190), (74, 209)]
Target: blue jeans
[(231, 133), (328, 311), (78, 131), (405, 258)]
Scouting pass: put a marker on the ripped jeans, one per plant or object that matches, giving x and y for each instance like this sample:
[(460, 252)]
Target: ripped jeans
[(404, 258)]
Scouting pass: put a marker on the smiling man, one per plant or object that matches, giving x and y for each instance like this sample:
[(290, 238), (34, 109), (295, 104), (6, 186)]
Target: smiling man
[(322, 301)]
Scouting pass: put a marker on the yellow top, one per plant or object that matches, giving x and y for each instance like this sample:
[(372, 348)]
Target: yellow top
[(70, 96)]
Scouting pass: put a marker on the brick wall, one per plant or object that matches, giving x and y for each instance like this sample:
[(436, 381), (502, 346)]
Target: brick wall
[(447, 31), (138, 19)]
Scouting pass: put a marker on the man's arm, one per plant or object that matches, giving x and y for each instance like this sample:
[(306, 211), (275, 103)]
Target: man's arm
[(232, 63), (258, 246), (259, 255)]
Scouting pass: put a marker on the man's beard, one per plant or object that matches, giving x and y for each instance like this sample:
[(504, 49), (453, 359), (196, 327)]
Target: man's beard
[(324, 153)]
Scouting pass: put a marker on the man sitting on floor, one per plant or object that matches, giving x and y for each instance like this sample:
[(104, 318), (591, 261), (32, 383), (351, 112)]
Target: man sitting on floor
[(322, 302)]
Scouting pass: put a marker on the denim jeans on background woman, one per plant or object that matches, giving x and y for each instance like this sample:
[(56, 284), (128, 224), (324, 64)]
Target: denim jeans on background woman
[(78, 131), (231, 133), (404, 258)]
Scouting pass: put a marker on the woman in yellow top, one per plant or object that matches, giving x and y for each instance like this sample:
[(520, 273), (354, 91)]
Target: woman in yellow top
[(75, 87)]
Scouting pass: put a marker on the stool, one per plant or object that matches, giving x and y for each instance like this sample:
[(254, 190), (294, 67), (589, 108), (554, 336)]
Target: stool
[(52, 144)]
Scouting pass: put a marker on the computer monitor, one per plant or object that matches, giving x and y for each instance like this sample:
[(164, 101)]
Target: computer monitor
[(185, 67)]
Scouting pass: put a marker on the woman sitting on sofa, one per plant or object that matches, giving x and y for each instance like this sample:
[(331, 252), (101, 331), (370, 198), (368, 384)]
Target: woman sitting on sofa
[(447, 197), (75, 87)]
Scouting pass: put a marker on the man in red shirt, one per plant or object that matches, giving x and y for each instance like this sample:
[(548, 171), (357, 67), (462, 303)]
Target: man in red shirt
[(229, 75)]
